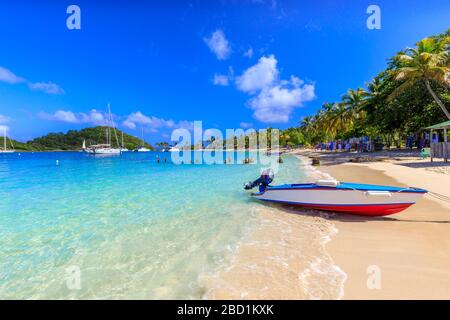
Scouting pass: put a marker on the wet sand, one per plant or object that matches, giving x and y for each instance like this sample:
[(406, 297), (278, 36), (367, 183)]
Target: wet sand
[(285, 258)]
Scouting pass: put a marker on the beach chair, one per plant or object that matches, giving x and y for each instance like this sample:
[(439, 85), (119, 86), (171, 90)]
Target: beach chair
[(425, 153)]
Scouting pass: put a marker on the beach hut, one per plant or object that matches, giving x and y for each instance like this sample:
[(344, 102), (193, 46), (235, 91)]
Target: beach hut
[(439, 149)]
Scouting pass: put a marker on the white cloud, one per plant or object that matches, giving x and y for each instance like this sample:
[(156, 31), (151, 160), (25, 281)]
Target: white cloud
[(259, 76), (139, 118), (47, 87), (133, 121), (275, 104), (60, 115), (4, 119), (184, 124), (129, 124), (249, 53), (219, 44), (273, 99), (94, 117), (65, 116), (221, 80), (9, 77), (246, 125), (151, 123), (224, 79)]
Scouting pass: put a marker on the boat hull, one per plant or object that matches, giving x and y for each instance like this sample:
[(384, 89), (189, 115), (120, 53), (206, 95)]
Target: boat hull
[(142, 149), (367, 201), (103, 151), (361, 210)]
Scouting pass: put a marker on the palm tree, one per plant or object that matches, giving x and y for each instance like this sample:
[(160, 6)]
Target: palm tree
[(306, 122), (350, 109), (341, 118), (429, 62), (374, 88), (355, 100), (284, 138), (307, 125), (325, 117)]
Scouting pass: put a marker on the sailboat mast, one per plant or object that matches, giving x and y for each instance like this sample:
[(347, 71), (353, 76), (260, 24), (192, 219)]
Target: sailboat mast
[(109, 125), (111, 122), (4, 139)]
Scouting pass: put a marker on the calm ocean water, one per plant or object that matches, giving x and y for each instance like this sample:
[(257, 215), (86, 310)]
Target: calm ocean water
[(132, 227)]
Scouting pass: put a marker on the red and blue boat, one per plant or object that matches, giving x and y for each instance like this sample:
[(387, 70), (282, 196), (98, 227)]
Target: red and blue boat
[(331, 195)]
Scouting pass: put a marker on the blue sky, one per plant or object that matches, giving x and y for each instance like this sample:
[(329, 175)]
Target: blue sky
[(162, 65)]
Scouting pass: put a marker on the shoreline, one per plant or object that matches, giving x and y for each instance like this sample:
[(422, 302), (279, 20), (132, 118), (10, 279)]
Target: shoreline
[(286, 257), (407, 252)]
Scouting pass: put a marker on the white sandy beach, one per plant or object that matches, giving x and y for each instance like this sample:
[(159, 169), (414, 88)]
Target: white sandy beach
[(316, 255), (411, 249)]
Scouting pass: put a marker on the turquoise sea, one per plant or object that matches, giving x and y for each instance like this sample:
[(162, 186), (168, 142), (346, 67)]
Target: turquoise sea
[(124, 226)]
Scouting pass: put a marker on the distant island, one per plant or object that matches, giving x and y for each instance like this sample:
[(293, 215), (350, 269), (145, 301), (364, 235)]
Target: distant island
[(73, 140)]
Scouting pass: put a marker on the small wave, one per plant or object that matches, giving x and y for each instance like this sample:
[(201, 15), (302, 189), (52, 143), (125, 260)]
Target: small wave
[(283, 257), (339, 276)]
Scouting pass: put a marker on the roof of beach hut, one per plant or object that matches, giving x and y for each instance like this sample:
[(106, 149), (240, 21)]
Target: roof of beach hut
[(442, 125)]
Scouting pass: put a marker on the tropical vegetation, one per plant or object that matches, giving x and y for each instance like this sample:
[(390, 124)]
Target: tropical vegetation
[(412, 93)]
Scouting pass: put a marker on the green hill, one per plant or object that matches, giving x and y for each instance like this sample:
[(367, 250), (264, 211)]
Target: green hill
[(73, 140), (18, 146)]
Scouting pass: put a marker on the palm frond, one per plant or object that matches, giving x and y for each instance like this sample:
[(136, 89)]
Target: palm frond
[(402, 88)]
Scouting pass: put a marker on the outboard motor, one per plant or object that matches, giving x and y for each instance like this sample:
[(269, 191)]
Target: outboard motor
[(263, 181)]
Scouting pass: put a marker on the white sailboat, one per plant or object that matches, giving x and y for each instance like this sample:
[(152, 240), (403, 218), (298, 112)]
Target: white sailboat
[(5, 149), (173, 149), (142, 148), (123, 149), (104, 149)]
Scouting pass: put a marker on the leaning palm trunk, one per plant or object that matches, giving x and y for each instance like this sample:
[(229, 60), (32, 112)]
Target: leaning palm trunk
[(436, 98)]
